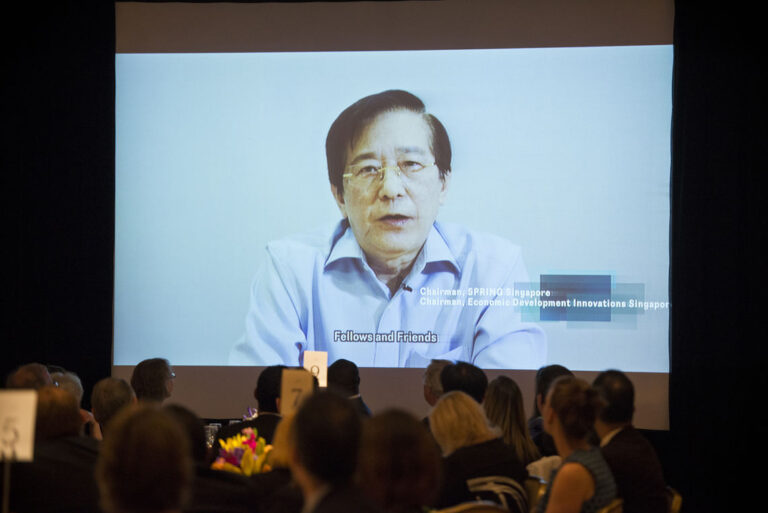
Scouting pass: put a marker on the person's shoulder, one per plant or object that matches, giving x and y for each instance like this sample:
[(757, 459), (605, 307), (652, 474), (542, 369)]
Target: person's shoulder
[(483, 247), (574, 476), (628, 437), (630, 450), (78, 446)]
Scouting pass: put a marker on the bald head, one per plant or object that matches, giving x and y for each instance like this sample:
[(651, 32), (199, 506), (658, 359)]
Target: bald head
[(31, 375)]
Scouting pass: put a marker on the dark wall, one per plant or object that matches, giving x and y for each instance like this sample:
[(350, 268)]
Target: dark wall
[(58, 180), (59, 171)]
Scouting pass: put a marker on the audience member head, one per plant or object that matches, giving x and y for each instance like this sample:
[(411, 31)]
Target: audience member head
[(193, 427), (504, 408), (152, 380), (433, 387), (399, 464), (282, 443), (570, 409), (326, 437), (58, 414), (544, 378), (267, 390), (466, 378), (30, 375), (618, 396), (109, 396), (457, 421), (70, 382), (344, 377), (144, 464)]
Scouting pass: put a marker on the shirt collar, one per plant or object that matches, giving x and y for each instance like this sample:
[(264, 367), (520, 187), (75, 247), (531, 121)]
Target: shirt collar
[(433, 255), (609, 436)]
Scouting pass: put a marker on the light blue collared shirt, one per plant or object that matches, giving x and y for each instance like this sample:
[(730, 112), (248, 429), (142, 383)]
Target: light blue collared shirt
[(315, 294)]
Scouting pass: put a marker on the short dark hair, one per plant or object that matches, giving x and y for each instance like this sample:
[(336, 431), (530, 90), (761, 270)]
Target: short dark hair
[(344, 376), (109, 396), (399, 461), (193, 427), (144, 462), (466, 378), (30, 375), (268, 388), (618, 396), (348, 127), (544, 378), (576, 404), (149, 379), (326, 433)]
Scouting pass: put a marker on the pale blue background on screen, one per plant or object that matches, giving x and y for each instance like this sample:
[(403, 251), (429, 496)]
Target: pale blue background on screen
[(565, 152)]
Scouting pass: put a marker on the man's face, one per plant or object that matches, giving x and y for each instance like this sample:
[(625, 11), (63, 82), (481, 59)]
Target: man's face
[(392, 214)]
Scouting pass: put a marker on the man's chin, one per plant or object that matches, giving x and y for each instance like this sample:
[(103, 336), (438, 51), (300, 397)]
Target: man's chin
[(388, 248)]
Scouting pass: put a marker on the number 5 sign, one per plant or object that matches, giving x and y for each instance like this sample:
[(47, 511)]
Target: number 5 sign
[(17, 424)]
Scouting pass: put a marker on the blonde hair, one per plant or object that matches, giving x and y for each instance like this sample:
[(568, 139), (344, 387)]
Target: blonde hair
[(432, 376), (503, 405), (458, 421)]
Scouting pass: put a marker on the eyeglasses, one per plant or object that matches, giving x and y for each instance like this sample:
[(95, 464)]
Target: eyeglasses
[(367, 173)]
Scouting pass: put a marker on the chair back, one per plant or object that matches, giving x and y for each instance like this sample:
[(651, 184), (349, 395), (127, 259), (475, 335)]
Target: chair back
[(534, 489), (474, 507), (674, 499), (501, 490), (615, 506)]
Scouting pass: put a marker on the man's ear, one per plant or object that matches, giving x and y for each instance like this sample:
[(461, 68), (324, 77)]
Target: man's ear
[(446, 179), (339, 197)]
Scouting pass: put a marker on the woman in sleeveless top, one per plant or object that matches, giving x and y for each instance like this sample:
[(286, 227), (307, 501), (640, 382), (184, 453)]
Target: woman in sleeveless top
[(583, 483)]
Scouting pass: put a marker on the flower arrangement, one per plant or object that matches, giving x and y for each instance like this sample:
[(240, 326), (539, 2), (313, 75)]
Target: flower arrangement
[(244, 453)]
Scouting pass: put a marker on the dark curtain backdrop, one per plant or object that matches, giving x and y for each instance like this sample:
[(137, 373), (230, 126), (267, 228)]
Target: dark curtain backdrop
[(717, 374), (59, 162), (58, 184)]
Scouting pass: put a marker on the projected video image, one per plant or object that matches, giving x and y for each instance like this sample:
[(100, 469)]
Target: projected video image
[(504, 207)]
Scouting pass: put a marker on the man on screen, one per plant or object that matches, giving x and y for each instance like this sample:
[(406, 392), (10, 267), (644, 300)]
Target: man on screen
[(391, 287)]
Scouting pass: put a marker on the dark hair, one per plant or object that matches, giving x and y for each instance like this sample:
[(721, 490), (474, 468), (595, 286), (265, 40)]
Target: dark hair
[(109, 396), (58, 414), (30, 375), (466, 378), (144, 464), (576, 405), (618, 396), (326, 433), (544, 378), (399, 462), (193, 427), (149, 379), (344, 376), (348, 127), (268, 388)]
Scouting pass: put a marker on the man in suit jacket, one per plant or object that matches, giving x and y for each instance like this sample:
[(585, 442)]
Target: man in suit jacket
[(632, 459), (323, 458), (61, 477), (267, 394), (344, 378)]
